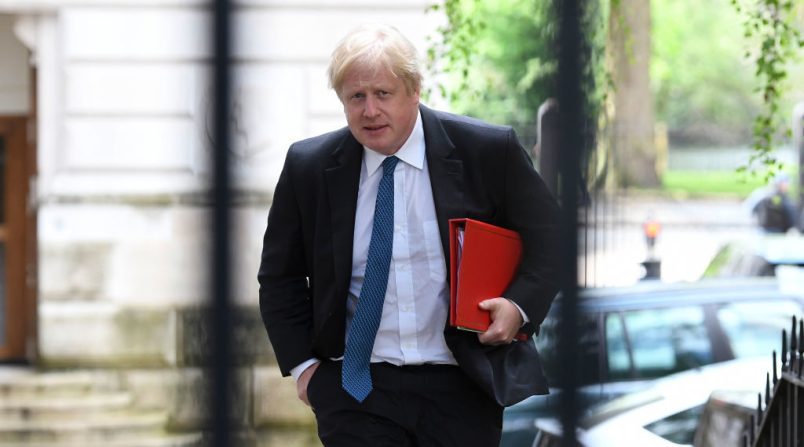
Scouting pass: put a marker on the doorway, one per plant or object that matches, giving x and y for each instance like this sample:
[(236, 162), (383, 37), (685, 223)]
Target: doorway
[(17, 225)]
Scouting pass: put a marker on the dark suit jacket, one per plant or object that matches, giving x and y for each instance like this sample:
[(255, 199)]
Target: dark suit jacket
[(477, 170)]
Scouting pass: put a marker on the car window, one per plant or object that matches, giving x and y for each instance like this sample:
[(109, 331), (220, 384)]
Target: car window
[(754, 328), (619, 358), (678, 428), (661, 341)]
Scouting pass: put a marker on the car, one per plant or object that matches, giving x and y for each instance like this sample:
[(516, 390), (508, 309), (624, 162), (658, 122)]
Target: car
[(665, 414), (725, 418), (760, 255), (632, 335)]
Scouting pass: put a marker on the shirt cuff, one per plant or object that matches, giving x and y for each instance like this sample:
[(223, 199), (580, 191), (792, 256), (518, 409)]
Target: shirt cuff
[(298, 370), (525, 319)]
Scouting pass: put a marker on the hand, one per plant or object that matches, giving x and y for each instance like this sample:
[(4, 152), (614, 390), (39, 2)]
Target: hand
[(304, 380), (505, 321)]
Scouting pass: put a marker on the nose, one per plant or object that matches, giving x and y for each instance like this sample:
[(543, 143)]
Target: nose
[(370, 110)]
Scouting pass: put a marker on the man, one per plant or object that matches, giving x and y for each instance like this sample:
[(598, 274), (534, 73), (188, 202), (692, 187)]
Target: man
[(772, 207), (353, 278)]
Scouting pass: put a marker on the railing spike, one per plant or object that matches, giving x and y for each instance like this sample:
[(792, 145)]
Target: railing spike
[(800, 361), (800, 345), (793, 337), (801, 336), (759, 406), (775, 375), (767, 388), (784, 352), (751, 428)]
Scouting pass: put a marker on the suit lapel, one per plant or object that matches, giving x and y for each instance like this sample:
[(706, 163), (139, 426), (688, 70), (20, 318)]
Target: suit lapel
[(342, 178), (446, 175)]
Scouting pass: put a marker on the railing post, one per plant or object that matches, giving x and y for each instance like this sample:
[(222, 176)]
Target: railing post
[(572, 63), (798, 141), (220, 309)]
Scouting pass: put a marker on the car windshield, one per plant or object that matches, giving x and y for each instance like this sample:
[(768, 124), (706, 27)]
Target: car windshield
[(752, 327)]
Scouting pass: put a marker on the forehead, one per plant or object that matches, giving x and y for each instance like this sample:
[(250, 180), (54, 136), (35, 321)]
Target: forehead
[(362, 76)]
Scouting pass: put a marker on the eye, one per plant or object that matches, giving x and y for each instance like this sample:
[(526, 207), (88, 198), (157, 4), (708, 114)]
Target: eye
[(383, 93)]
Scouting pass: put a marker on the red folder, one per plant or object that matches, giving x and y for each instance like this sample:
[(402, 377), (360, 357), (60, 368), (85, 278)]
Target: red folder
[(481, 267)]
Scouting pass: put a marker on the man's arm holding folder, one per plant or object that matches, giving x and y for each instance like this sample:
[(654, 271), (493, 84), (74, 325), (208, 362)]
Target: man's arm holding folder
[(484, 259), (530, 211)]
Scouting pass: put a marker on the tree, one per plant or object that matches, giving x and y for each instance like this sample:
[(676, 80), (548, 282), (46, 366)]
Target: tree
[(500, 56), (633, 122)]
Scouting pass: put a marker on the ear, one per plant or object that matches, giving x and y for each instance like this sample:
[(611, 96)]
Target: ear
[(416, 94)]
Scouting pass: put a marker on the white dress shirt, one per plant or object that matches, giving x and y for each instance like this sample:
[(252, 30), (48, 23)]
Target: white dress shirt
[(416, 303)]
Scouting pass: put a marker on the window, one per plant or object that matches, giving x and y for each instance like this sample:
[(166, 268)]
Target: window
[(618, 354), (661, 341), (755, 328), (678, 428)]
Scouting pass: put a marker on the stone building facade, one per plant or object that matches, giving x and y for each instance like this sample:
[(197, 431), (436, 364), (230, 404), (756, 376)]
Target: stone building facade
[(105, 119)]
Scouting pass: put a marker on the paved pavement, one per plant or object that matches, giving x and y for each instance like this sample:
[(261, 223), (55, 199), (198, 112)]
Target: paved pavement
[(692, 231)]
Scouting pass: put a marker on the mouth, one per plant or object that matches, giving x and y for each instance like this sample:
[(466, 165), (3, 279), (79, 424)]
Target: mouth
[(374, 128)]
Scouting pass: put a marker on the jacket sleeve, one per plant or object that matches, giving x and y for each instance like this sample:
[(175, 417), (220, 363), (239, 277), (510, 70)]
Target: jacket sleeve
[(285, 301), (531, 210)]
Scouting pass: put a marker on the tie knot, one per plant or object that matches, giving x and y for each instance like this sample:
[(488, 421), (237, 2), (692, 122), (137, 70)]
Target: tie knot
[(389, 164)]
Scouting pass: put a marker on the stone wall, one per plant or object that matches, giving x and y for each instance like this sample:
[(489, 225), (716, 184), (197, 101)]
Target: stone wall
[(123, 125)]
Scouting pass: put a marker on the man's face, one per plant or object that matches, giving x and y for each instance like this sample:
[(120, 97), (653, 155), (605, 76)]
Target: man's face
[(379, 110)]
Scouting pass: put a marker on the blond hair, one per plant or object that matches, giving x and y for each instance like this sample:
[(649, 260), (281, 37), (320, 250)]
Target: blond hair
[(375, 47)]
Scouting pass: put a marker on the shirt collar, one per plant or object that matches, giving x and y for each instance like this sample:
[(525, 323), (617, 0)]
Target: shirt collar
[(412, 152)]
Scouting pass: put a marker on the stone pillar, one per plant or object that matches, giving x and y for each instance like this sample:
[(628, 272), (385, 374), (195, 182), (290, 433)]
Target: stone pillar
[(547, 147)]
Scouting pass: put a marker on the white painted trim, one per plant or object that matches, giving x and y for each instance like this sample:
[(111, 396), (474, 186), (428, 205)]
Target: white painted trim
[(50, 115)]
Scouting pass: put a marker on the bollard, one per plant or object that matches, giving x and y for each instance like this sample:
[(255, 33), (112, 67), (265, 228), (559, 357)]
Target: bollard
[(652, 263)]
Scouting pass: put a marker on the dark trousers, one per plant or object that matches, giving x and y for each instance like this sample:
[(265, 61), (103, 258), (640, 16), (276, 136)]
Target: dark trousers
[(422, 406)]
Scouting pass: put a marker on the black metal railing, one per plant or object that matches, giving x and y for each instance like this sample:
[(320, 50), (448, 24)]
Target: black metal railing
[(779, 422)]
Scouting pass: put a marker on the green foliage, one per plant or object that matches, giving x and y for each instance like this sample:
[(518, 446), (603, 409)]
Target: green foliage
[(498, 59), (770, 26), (501, 62), (708, 183), (453, 48), (702, 85), (500, 65)]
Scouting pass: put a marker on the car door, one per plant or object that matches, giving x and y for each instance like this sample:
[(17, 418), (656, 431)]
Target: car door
[(655, 342)]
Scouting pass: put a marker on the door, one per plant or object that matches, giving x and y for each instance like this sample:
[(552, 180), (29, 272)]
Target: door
[(17, 218)]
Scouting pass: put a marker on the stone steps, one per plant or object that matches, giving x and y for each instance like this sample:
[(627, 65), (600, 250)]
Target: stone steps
[(78, 408), (21, 383), (153, 440), (63, 408), (96, 429)]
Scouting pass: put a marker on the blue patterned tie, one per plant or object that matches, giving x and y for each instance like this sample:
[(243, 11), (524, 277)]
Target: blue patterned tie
[(355, 376)]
